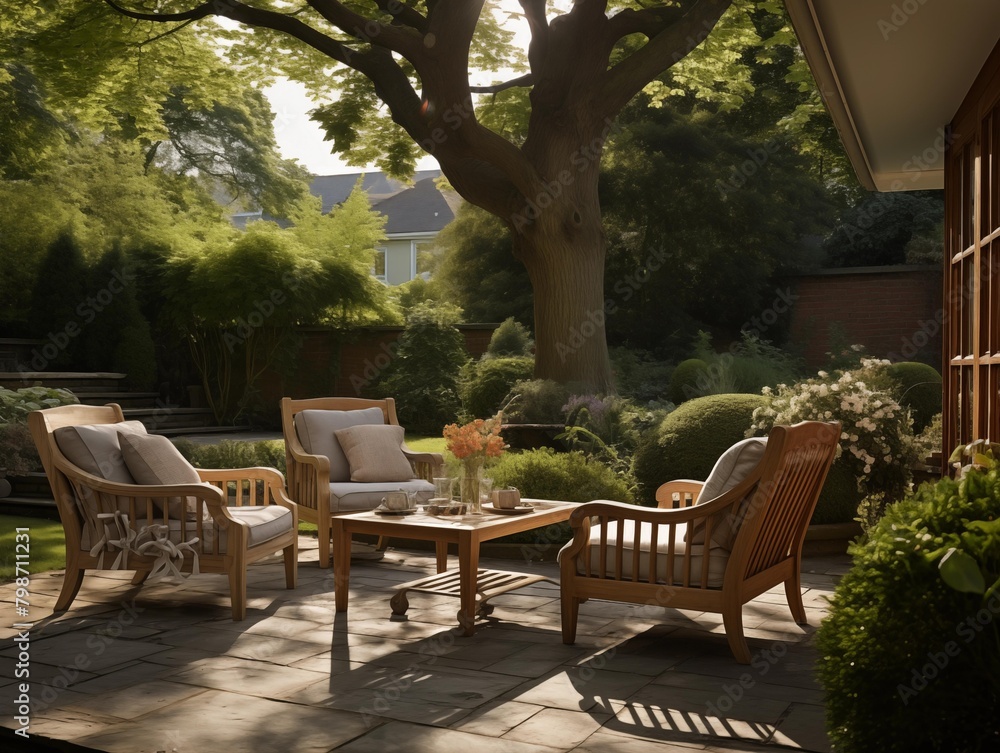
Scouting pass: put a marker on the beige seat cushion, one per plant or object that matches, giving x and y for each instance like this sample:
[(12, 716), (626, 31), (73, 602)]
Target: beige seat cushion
[(266, 522), (375, 453), (353, 496), (717, 558), (153, 460), (732, 467), (315, 429), (95, 449)]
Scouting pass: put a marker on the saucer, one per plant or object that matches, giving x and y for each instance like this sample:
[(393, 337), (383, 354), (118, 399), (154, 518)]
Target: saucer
[(380, 510), (521, 509)]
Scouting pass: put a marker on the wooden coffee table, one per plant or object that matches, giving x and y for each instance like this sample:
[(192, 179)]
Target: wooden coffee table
[(472, 585)]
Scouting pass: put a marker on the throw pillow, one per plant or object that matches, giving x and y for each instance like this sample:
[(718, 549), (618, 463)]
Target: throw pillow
[(316, 431), (375, 453), (732, 467), (153, 460), (95, 448)]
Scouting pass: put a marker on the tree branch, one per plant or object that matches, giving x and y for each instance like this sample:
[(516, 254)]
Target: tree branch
[(534, 12), (368, 30), (526, 80), (648, 21), (403, 14), (628, 77), (198, 12)]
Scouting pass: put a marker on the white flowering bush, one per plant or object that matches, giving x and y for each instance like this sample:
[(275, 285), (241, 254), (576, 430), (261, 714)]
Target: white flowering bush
[(876, 442)]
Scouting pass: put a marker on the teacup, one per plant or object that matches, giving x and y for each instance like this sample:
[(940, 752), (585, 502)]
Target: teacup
[(506, 499), (396, 501)]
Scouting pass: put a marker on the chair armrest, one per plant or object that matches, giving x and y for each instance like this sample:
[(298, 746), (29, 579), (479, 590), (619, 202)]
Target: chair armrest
[(433, 461), (274, 482), (687, 489)]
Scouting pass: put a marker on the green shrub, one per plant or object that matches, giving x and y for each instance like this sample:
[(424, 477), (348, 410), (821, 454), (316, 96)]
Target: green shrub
[(687, 380), (18, 455), (639, 375), (423, 375), (876, 445), (231, 453), (838, 501), (689, 441), (907, 662), (567, 476), (919, 390), (15, 405), (486, 384), (539, 401), (511, 338)]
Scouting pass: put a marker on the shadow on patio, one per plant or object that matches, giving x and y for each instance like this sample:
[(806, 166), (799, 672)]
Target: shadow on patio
[(166, 669)]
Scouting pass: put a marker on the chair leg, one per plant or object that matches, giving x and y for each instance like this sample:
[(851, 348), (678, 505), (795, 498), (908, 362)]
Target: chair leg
[(793, 593), (72, 581), (238, 590), (732, 618), (140, 577), (323, 530), (291, 555), (570, 615)]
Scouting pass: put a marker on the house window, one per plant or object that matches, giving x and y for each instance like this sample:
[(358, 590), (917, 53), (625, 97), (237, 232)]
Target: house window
[(972, 269), (378, 268), (424, 258)]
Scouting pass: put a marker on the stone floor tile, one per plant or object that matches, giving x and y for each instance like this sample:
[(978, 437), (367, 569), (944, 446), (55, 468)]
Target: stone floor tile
[(558, 728), (400, 737), (136, 700), (537, 660), (234, 723), (257, 647), (88, 652), (804, 727), (581, 689), (496, 719), (243, 676), (605, 742)]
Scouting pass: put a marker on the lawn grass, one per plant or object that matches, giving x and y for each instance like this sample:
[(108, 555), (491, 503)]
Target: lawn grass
[(46, 542), (419, 443)]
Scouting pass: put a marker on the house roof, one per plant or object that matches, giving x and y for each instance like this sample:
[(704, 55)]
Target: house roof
[(893, 77), (334, 189), (420, 209)]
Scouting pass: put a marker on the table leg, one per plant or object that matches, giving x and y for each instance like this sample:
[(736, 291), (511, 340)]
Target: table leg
[(341, 564), (441, 550), (468, 567)]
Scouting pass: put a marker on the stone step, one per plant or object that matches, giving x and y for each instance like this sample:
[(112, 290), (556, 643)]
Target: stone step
[(156, 420), (124, 399), (185, 431), (75, 381)]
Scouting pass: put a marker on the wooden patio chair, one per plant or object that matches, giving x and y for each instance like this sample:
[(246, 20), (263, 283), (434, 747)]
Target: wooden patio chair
[(319, 474), (713, 555), (218, 522)]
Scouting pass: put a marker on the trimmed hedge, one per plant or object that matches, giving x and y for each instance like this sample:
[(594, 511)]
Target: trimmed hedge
[(689, 441), (909, 663), (919, 390)]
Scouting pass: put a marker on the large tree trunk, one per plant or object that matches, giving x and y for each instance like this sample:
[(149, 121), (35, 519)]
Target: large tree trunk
[(567, 277)]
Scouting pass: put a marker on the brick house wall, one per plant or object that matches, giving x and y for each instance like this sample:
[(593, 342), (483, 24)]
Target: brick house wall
[(895, 312)]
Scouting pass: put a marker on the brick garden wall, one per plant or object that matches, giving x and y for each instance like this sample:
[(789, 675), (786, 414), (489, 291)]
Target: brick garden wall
[(895, 312)]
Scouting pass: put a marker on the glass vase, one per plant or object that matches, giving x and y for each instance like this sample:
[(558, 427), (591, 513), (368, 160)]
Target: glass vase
[(472, 473)]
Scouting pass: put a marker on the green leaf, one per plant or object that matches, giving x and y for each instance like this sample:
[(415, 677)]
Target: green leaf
[(961, 572)]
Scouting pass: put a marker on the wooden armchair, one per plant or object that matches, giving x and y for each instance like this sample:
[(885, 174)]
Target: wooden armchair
[(221, 525), (321, 483), (712, 556)]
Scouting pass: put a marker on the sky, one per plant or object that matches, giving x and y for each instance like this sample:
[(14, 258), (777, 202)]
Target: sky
[(301, 139)]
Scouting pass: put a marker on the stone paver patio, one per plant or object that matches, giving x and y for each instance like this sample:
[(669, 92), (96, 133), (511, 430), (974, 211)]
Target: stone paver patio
[(164, 668)]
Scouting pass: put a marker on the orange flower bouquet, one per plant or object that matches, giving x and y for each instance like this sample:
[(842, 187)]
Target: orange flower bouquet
[(473, 444)]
